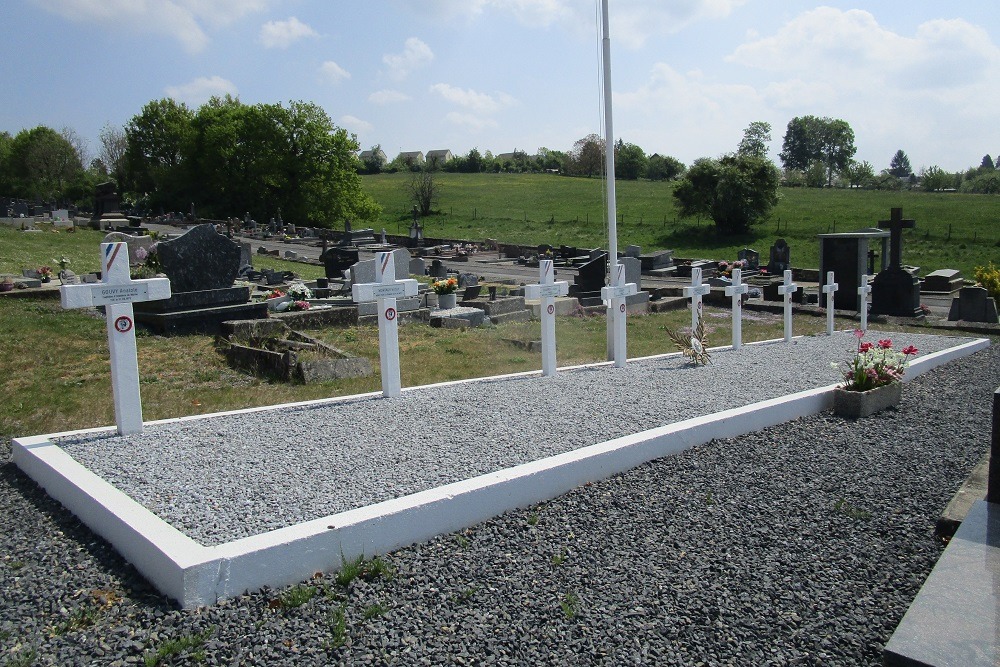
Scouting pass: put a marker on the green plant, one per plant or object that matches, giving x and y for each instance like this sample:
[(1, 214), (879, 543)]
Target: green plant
[(989, 277), (560, 558), (371, 570), (81, 618), (25, 659), (374, 611), (570, 604), (338, 627), (533, 519), (192, 644), (851, 511), (462, 540), (297, 595), (875, 364), (466, 594)]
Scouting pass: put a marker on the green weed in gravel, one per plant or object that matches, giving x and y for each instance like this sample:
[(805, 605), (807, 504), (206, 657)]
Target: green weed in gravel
[(173, 648), (570, 604), (375, 611), (297, 595)]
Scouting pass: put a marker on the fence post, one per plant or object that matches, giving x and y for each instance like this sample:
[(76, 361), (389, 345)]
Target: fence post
[(993, 489)]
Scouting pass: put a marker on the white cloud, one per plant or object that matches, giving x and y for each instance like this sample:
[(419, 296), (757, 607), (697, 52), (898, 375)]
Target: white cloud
[(179, 19), (473, 100), (333, 73), (199, 91), (415, 54), (387, 96), (355, 124), (470, 121), (282, 34)]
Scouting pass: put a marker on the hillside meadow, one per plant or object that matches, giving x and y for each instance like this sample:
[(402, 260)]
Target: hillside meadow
[(953, 230)]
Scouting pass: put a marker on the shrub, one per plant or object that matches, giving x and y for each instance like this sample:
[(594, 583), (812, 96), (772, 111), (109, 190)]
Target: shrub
[(989, 277)]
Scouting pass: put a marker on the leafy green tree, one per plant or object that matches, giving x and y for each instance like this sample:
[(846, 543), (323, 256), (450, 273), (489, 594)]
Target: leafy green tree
[(587, 156), (474, 161), (935, 178), (424, 190), (860, 174), (808, 138), (815, 174), (755, 140), (987, 163), (549, 159), (899, 166), (374, 161), (43, 163), (663, 168), (735, 191), (112, 154), (630, 161), (985, 183), (6, 174), (156, 143)]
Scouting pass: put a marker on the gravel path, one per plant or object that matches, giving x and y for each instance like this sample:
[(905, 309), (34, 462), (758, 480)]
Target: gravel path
[(225, 478), (799, 544)]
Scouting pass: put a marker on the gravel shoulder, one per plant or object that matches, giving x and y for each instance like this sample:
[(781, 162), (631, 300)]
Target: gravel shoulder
[(798, 544)]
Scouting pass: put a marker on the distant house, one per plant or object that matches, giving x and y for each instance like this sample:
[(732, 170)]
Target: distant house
[(505, 157), (367, 155), (411, 158), (439, 156)]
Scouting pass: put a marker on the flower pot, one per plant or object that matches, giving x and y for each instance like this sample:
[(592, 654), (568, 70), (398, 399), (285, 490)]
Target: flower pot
[(446, 301), (854, 404)]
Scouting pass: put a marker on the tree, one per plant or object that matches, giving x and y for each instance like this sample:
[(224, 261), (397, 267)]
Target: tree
[(375, 160), (630, 161), (663, 168), (112, 154), (934, 178), (6, 173), (474, 161), (587, 156), (156, 140), (423, 190), (860, 174), (43, 163), (987, 163), (736, 191), (755, 140), (899, 166), (808, 138)]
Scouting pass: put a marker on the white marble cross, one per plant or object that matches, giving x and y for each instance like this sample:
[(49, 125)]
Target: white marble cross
[(828, 289), (695, 292), (788, 288), (737, 290), (615, 294), (384, 292), (547, 290), (863, 291), (117, 292)]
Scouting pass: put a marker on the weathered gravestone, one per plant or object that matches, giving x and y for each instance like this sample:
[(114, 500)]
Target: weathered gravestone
[(973, 304), (134, 243), (751, 257), (366, 272), (896, 291), (106, 212), (943, 280), (418, 267), (201, 265), (438, 270), (337, 260)]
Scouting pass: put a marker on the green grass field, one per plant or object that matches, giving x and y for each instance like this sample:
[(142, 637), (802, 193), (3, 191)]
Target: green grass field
[(953, 230)]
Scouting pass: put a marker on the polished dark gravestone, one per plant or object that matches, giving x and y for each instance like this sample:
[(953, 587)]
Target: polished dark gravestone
[(896, 291), (846, 254), (202, 266)]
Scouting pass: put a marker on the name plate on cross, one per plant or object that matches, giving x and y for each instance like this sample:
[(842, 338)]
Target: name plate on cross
[(117, 292)]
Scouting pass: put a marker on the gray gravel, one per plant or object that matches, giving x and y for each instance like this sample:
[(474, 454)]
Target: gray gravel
[(230, 477), (798, 544)]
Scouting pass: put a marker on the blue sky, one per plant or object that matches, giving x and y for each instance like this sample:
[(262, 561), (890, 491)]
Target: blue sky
[(688, 75)]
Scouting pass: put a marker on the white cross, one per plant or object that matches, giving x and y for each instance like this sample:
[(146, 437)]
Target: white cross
[(117, 292), (737, 290), (695, 292), (863, 291), (788, 288), (547, 290), (615, 294), (828, 289), (384, 292)]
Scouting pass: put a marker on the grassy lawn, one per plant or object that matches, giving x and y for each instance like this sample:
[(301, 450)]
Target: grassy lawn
[(953, 230)]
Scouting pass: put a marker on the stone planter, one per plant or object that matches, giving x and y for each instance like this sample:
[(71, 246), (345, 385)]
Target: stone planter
[(854, 404), (447, 301)]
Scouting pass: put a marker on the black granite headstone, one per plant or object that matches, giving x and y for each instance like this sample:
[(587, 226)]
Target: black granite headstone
[(896, 291), (780, 259), (337, 260), (200, 259)]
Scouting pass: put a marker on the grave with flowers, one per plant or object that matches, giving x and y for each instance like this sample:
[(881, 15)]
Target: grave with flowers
[(873, 378)]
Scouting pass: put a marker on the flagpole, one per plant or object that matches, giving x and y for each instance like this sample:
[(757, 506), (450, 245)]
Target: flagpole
[(609, 145)]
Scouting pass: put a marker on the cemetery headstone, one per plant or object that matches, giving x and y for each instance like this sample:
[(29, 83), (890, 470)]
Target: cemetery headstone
[(633, 251), (942, 280), (384, 292), (366, 271), (788, 289), (736, 291), (829, 289), (438, 270), (134, 243), (467, 280), (846, 254), (336, 260), (896, 291), (695, 292), (973, 304), (864, 289), (117, 292), (547, 290), (780, 259), (616, 295), (418, 267), (751, 257)]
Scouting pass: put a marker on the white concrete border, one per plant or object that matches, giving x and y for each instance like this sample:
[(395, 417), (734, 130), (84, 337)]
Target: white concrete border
[(197, 575)]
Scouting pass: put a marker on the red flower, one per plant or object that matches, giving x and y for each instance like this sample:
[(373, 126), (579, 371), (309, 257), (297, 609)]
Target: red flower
[(864, 347), (885, 344), (909, 349)]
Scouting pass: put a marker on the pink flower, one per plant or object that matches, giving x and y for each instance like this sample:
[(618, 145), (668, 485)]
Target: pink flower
[(909, 349), (859, 334), (885, 344), (872, 373)]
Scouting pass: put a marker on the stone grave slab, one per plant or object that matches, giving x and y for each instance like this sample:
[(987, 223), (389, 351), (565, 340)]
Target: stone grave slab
[(942, 280), (973, 304)]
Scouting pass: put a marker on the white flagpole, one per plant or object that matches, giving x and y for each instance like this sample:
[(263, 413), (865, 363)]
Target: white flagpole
[(609, 144)]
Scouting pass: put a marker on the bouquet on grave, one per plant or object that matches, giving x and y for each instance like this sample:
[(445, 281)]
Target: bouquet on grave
[(695, 347), (447, 286), (299, 292), (298, 305), (875, 364)]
